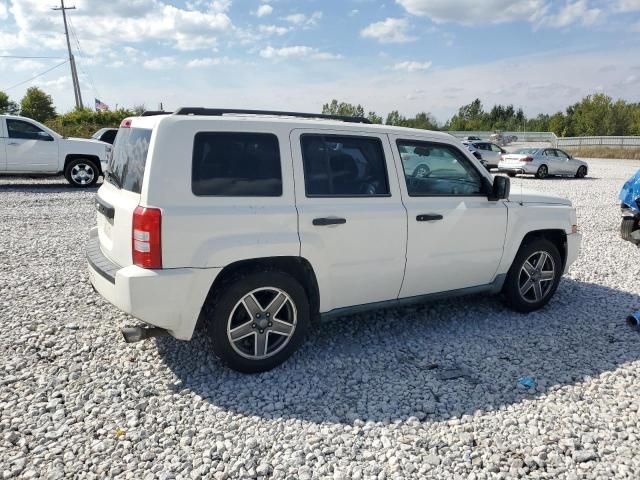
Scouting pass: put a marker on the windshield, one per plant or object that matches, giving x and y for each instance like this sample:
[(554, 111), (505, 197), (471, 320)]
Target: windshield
[(97, 134), (526, 151), (129, 158)]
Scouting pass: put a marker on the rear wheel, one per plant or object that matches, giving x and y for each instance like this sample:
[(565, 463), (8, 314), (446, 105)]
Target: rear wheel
[(582, 172), (421, 171), (257, 321), (534, 276), (543, 172), (511, 174), (81, 173)]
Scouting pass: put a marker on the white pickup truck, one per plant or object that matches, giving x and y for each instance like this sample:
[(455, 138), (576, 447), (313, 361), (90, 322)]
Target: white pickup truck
[(29, 148)]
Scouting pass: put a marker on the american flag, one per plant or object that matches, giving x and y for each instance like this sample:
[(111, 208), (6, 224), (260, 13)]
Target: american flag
[(100, 106)]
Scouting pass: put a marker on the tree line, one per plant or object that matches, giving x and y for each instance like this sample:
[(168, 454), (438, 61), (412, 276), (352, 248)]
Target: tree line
[(594, 115)]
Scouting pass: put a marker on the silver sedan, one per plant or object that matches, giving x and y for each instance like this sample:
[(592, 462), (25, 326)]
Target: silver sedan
[(542, 162)]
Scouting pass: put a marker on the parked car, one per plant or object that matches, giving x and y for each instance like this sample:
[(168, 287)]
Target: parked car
[(542, 162), (29, 148), (107, 135), (471, 138), (255, 223), (490, 152), (474, 151), (630, 207)]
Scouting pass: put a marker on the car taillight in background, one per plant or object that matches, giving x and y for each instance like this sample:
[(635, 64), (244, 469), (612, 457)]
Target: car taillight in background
[(146, 242), (527, 159)]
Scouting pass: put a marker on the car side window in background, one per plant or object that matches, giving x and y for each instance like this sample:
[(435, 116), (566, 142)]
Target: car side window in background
[(549, 153), (230, 164), (336, 165), (438, 169), (495, 148), (109, 136), (561, 154), (23, 130)]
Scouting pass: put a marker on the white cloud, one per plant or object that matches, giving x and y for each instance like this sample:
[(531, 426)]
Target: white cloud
[(576, 12), (264, 10), (210, 62), (391, 30), (3, 11), (159, 63), (302, 20), (474, 11), (625, 5), (411, 67), (273, 30), (296, 52)]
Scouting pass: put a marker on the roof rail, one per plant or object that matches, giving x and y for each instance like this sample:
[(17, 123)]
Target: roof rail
[(153, 113), (217, 112)]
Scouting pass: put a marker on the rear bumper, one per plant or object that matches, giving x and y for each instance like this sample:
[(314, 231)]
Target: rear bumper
[(518, 169), (574, 241), (169, 299)]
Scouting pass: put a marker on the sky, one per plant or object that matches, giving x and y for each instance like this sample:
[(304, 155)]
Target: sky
[(406, 55)]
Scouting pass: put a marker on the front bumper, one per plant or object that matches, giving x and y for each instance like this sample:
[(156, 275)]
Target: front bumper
[(574, 241), (169, 298)]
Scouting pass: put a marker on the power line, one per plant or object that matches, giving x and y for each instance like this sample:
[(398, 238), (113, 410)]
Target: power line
[(87, 72), (33, 78), (28, 56)]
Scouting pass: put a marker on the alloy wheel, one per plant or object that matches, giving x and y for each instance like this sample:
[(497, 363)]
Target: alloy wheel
[(82, 174), (536, 277)]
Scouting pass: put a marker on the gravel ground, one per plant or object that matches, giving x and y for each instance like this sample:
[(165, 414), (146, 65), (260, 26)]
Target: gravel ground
[(418, 392)]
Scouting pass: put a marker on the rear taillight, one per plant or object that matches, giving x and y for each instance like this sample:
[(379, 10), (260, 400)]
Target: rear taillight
[(126, 123), (527, 159), (146, 242)]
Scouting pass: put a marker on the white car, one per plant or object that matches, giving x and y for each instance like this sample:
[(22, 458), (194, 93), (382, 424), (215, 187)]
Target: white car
[(29, 148), (255, 223), (490, 152), (542, 162)]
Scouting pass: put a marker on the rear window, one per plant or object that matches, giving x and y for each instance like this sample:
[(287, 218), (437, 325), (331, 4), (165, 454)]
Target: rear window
[(231, 164), (130, 157)]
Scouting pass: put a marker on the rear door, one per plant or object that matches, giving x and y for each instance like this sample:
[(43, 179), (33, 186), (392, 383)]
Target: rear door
[(29, 148), (565, 164), (550, 158), (120, 193), (456, 235), (352, 223)]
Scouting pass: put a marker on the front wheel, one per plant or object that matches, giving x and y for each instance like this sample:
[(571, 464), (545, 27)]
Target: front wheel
[(628, 226), (582, 172), (81, 173), (257, 321), (511, 174), (543, 172), (534, 276)]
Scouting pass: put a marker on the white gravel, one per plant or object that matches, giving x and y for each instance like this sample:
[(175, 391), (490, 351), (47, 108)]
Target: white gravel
[(418, 392)]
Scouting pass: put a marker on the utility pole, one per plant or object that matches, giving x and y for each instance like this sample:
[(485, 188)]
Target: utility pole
[(72, 61)]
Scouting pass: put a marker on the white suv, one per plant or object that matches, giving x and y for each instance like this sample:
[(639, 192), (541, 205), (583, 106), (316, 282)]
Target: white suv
[(29, 148), (254, 223)]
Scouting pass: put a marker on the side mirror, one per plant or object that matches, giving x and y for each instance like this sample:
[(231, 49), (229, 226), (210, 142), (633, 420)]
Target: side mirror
[(45, 136), (501, 188)]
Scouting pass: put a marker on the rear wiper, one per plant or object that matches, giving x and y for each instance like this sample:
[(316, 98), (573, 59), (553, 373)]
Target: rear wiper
[(112, 178)]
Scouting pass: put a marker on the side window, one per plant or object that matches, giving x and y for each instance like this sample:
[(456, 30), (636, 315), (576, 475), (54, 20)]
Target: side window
[(438, 169), (236, 165), (495, 148), (23, 130), (561, 154), (549, 153), (109, 136), (337, 165)]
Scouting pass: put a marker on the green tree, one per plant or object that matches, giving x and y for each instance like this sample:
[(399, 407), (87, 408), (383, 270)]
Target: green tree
[(7, 106), (37, 104), (342, 108), (374, 118)]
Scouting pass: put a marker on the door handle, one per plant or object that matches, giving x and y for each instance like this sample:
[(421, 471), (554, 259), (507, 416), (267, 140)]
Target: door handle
[(323, 222), (428, 217)]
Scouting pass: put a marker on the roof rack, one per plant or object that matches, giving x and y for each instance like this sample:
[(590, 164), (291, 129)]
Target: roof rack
[(218, 112), (153, 113)]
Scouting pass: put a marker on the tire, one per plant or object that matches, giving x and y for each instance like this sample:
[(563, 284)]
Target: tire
[(228, 310), (82, 173), (543, 172), (511, 174), (628, 226), (582, 172), (545, 278)]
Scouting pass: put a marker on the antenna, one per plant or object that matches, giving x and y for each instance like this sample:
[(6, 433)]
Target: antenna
[(72, 61)]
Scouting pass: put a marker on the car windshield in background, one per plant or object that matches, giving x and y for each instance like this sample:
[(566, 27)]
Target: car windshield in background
[(526, 151), (129, 158)]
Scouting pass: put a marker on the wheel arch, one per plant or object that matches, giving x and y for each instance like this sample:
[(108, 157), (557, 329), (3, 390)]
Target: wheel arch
[(76, 156), (556, 236), (298, 267)]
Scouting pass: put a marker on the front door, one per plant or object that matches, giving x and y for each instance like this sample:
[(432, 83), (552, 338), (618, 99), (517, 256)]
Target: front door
[(30, 149), (352, 223), (456, 235)]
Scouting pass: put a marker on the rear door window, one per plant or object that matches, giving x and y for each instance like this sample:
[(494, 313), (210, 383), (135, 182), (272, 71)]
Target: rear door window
[(129, 158), (232, 164), (351, 166)]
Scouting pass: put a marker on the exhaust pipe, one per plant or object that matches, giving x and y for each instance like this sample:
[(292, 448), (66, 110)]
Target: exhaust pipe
[(137, 334), (633, 320)]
